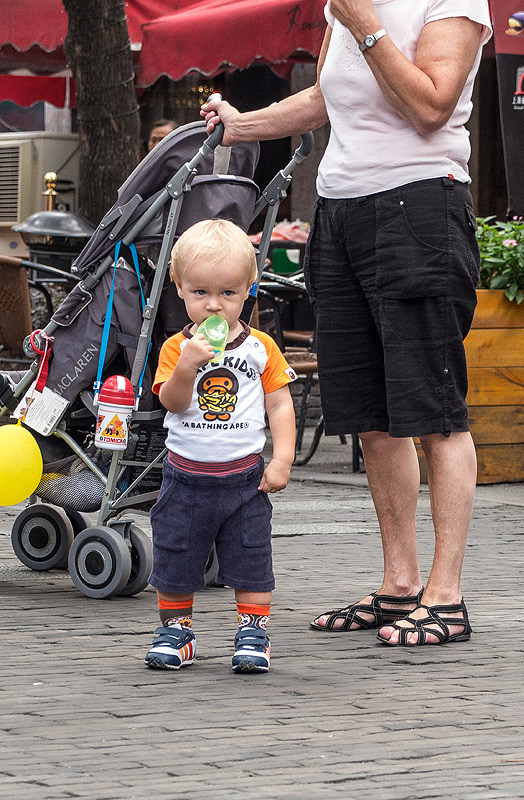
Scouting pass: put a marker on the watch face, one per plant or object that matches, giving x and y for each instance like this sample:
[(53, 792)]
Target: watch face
[(369, 41)]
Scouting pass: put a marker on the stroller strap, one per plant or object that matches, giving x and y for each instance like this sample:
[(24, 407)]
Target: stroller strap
[(45, 355), (126, 340), (107, 325), (221, 158)]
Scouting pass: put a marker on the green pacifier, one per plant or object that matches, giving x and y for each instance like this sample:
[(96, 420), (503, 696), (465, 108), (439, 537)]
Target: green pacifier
[(216, 331)]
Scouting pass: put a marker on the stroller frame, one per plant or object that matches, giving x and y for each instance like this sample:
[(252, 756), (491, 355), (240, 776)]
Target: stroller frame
[(106, 560)]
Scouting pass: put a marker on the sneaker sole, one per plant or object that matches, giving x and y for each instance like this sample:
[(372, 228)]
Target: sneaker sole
[(158, 663), (246, 665)]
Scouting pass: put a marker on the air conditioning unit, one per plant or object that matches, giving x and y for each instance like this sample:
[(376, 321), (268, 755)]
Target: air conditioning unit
[(24, 160)]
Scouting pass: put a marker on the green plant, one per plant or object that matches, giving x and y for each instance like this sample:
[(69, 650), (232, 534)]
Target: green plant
[(501, 247)]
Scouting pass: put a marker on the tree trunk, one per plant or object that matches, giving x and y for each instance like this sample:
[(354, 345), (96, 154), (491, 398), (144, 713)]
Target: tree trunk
[(99, 54)]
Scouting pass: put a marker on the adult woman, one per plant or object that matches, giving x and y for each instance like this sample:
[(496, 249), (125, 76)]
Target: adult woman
[(392, 264)]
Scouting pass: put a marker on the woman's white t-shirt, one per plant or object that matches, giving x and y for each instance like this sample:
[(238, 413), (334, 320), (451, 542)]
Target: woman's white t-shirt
[(371, 148)]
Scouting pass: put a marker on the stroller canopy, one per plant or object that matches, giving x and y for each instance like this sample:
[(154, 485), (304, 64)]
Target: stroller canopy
[(152, 175)]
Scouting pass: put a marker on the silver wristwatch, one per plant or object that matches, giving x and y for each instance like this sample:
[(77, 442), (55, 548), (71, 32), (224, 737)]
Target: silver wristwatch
[(372, 39)]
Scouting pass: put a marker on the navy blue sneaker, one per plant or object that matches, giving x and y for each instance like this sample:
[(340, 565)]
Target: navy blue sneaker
[(174, 647), (252, 650)]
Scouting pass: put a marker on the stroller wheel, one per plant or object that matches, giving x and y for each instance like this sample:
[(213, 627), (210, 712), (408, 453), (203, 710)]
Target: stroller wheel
[(41, 537), (99, 562), (141, 562), (79, 521)]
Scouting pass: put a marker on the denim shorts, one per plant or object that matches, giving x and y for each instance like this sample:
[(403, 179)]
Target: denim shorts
[(193, 512), (392, 279)]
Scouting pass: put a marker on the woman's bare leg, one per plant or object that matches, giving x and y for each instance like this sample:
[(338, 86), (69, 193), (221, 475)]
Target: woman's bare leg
[(393, 476), (452, 472)]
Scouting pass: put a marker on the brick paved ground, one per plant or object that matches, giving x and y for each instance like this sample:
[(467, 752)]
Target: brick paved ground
[(337, 716)]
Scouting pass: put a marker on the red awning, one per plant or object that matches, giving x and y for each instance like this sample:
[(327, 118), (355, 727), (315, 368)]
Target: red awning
[(214, 35), (28, 89), (32, 32), (42, 23)]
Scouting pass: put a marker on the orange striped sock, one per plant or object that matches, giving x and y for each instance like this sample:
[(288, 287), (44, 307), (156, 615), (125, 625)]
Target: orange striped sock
[(171, 611), (251, 614)]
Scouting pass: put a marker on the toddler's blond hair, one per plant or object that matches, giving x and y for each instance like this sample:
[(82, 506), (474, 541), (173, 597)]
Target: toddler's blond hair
[(211, 240)]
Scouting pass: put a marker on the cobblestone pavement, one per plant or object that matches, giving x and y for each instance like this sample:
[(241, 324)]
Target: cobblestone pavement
[(338, 715)]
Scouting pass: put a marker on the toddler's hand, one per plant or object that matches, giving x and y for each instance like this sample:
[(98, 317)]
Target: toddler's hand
[(196, 353), (275, 477)]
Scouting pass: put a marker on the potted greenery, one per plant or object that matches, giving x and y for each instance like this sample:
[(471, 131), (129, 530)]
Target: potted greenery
[(501, 247), (495, 353)]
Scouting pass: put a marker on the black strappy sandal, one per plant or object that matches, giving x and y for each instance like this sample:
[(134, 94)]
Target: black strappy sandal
[(381, 616), (421, 626)]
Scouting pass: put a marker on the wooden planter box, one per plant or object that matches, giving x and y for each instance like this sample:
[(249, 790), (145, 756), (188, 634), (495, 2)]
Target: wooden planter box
[(495, 353)]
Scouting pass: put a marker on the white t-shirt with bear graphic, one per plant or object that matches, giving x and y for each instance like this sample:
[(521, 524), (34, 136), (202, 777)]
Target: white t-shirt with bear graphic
[(226, 418)]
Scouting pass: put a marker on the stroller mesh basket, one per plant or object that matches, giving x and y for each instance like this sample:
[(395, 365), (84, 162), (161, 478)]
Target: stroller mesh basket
[(69, 483)]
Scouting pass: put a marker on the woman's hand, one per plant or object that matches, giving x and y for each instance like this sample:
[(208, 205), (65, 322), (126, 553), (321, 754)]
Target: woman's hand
[(358, 16), (215, 111)]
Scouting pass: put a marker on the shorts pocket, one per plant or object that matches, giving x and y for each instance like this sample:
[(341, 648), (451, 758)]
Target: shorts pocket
[(413, 252), (473, 251), (256, 518), (172, 515)]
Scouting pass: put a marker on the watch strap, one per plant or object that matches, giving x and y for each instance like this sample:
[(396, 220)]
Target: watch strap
[(365, 45)]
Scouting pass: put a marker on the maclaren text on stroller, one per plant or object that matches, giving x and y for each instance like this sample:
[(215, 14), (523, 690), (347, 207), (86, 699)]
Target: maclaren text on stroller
[(113, 322)]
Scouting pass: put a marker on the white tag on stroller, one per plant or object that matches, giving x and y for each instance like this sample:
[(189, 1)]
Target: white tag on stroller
[(41, 411)]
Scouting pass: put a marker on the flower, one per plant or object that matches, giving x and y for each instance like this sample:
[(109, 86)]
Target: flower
[(501, 246)]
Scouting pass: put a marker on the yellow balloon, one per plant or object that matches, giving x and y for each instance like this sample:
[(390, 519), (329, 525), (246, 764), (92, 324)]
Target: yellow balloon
[(21, 464)]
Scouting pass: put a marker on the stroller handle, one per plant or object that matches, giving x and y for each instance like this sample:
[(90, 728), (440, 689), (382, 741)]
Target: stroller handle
[(306, 145), (214, 139)]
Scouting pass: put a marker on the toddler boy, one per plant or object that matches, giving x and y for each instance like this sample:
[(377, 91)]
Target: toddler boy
[(215, 486)]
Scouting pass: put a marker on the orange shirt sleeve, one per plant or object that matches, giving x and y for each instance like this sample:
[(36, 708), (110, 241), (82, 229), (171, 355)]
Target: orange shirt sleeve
[(167, 360)]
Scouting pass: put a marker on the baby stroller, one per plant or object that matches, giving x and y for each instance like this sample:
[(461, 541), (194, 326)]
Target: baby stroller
[(114, 322)]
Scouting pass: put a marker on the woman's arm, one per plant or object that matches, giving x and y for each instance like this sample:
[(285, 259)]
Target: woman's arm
[(426, 92), (296, 114)]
